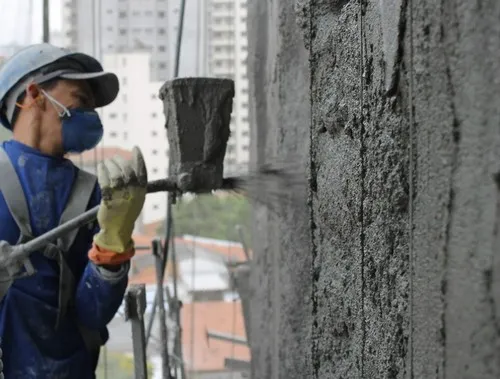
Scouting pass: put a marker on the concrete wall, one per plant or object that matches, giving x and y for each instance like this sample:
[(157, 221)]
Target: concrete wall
[(281, 305), (404, 261)]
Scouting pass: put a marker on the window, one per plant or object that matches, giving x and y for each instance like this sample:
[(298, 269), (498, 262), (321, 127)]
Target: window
[(149, 31), (155, 170), (113, 134), (124, 98), (122, 14), (124, 80), (153, 96), (148, 13), (244, 90), (109, 28), (155, 207), (161, 31), (124, 117), (162, 65), (154, 152), (162, 48), (112, 115), (154, 133), (244, 119), (245, 147), (153, 115), (109, 11), (161, 14), (123, 32), (245, 133), (125, 136), (124, 61)]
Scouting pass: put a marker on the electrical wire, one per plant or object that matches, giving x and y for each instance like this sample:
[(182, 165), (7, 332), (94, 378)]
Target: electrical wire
[(193, 302), (94, 53), (233, 346), (411, 252)]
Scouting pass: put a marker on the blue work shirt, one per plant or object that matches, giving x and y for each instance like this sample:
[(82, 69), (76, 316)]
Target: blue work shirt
[(32, 346)]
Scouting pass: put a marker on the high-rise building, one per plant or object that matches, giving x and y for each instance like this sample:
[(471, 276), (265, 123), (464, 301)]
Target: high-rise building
[(100, 27), (136, 118), (226, 44), (214, 43)]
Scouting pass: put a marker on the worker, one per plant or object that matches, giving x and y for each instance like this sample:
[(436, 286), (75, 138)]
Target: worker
[(53, 322)]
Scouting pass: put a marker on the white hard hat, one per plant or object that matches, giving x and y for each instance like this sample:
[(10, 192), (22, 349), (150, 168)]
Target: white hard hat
[(43, 62)]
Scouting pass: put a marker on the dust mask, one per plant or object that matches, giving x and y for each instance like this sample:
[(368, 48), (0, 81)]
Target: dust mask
[(81, 128)]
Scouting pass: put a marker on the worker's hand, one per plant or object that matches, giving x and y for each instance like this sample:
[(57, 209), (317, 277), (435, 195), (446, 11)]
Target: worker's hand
[(123, 187)]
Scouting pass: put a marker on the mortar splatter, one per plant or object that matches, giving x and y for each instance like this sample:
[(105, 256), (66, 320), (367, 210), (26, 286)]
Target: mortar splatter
[(276, 184)]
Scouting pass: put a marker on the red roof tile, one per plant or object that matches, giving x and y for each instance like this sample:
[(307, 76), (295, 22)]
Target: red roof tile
[(234, 252)]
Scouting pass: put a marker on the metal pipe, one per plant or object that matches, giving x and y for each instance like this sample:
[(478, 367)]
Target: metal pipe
[(22, 251), (236, 364), (179, 39), (135, 306), (226, 337), (164, 265), (176, 309), (239, 229), (46, 21), (161, 306)]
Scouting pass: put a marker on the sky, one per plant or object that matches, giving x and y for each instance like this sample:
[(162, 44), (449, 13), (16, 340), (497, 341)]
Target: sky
[(15, 21)]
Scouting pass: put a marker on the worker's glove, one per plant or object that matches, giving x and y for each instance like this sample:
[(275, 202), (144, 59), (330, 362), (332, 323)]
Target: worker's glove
[(123, 187)]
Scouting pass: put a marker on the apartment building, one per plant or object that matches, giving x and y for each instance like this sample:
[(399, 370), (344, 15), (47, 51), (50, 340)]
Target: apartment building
[(136, 118), (214, 44), (227, 52), (100, 27)]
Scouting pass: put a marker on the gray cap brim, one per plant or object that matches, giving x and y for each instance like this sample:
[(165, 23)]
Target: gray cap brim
[(105, 85)]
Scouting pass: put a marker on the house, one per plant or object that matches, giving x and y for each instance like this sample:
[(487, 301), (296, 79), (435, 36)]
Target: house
[(209, 303), (204, 358)]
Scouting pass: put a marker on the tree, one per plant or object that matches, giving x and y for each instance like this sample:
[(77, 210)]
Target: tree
[(212, 216), (117, 366)]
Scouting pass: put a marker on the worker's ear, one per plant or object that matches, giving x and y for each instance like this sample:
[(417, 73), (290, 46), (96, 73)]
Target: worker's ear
[(33, 97)]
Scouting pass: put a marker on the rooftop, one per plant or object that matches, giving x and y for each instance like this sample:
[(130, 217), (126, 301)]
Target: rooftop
[(200, 354)]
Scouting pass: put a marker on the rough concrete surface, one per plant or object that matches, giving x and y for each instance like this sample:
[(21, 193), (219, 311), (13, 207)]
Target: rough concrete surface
[(404, 207), (281, 274)]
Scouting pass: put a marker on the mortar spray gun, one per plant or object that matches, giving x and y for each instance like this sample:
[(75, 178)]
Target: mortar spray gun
[(198, 115)]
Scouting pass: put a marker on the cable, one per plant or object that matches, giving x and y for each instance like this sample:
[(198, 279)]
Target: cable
[(168, 216), (193, 301), (94, 53), (233, 346), (101, 58), (179, 38), (411, 193)]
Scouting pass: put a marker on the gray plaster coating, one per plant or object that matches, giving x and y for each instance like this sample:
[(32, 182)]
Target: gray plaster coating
[(405, 279), (281, 266), (198, 114)]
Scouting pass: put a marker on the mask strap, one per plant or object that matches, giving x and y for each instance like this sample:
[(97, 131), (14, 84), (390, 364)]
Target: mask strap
[(35, 100), (64, 111)]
